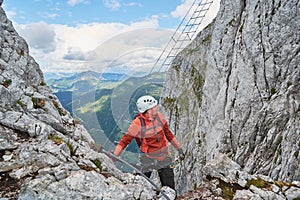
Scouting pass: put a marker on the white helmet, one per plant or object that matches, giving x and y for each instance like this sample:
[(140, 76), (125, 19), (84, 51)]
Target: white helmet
[(145, 103)]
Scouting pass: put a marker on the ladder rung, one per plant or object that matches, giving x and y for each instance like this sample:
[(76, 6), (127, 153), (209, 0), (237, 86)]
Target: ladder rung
[(202, 10), (184, 40), (189, 32), (197, 17), (170, 56), (169, 63), (202, 4), (193, 24), (178, 48)]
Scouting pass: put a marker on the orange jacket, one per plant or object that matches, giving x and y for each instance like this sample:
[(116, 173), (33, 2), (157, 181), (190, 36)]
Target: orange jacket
[(155, 140)]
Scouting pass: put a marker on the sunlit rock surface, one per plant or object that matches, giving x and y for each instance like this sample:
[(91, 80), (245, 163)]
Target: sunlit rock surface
[(235, 90)]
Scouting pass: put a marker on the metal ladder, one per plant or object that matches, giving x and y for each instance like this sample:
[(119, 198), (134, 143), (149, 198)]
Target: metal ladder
[(184, 34)]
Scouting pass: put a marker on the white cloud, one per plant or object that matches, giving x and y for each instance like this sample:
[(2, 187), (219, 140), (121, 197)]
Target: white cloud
[(74, 54), (40, 36), (112, 4), (186, 9), (134, 50), (132, 4), (61, 48), (75, 2), (182, 9), (47, 15), (97, 46)]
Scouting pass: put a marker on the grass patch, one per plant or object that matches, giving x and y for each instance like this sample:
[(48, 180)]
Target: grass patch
[(296, 154), (59, 109), (169, 102), (7, 83), (98, 163), (282, 184), (86, 168), (38, 102), (260, 183), (232, 22), (56, 139), (273, 91), (19, 102), (207, 39), (72, 150), (95, 106)]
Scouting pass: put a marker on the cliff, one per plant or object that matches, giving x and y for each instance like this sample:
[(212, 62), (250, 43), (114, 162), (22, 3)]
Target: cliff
[(233, 95), (44, 152)]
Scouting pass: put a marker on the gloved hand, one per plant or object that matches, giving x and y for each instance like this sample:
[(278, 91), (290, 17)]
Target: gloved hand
[(181, 154)]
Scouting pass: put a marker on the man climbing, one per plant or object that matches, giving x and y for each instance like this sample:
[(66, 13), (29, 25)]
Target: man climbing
[(152, 133)]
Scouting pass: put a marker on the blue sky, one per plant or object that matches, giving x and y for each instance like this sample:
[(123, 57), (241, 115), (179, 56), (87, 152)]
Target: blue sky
[(79, 35), (74, 12)]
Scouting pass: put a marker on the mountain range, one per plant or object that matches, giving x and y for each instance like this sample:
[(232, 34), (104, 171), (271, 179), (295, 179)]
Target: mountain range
[(93, 98)]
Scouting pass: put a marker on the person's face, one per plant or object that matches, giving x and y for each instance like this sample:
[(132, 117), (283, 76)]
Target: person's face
[(153, 111)]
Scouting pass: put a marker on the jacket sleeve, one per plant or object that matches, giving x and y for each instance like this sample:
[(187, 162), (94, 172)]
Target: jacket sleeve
[(131, 133), (169, 135)]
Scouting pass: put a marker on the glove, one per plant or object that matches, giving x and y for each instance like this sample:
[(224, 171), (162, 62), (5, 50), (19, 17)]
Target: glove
[(181, 154)]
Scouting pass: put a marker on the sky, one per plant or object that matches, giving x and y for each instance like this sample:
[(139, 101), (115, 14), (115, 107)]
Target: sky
[(100, 35)]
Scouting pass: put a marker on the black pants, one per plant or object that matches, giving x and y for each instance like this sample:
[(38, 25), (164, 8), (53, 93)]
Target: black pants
[(164, 168)]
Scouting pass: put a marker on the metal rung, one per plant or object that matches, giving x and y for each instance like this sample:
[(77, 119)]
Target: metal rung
[(167, 63), (195, 18), (193, 24), (189, 32), (178, 48), (201, 4), (170, 56), (184, 40), (197, 11)]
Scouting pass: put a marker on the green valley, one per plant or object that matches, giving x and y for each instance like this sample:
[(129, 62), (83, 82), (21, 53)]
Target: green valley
[(105, 103)]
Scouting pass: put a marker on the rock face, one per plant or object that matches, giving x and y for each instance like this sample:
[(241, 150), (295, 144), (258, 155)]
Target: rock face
[(44, 152), (235, 90)]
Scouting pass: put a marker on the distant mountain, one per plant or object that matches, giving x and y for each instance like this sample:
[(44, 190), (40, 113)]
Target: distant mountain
[(56, 75), (81, 81), (100, 100)]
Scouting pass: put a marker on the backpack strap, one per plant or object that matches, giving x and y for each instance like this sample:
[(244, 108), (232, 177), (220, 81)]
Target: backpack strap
[(160, 122), (143, 131)]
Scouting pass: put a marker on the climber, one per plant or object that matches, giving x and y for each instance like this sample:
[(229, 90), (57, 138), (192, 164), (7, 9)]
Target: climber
[(1, 1), (152, 133)]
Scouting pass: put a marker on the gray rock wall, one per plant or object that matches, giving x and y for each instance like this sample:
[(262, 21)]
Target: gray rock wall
[(235, 90), (44, 152)]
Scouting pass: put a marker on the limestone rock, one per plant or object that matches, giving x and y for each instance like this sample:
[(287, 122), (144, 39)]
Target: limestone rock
[(235, 90), (44, 154)]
